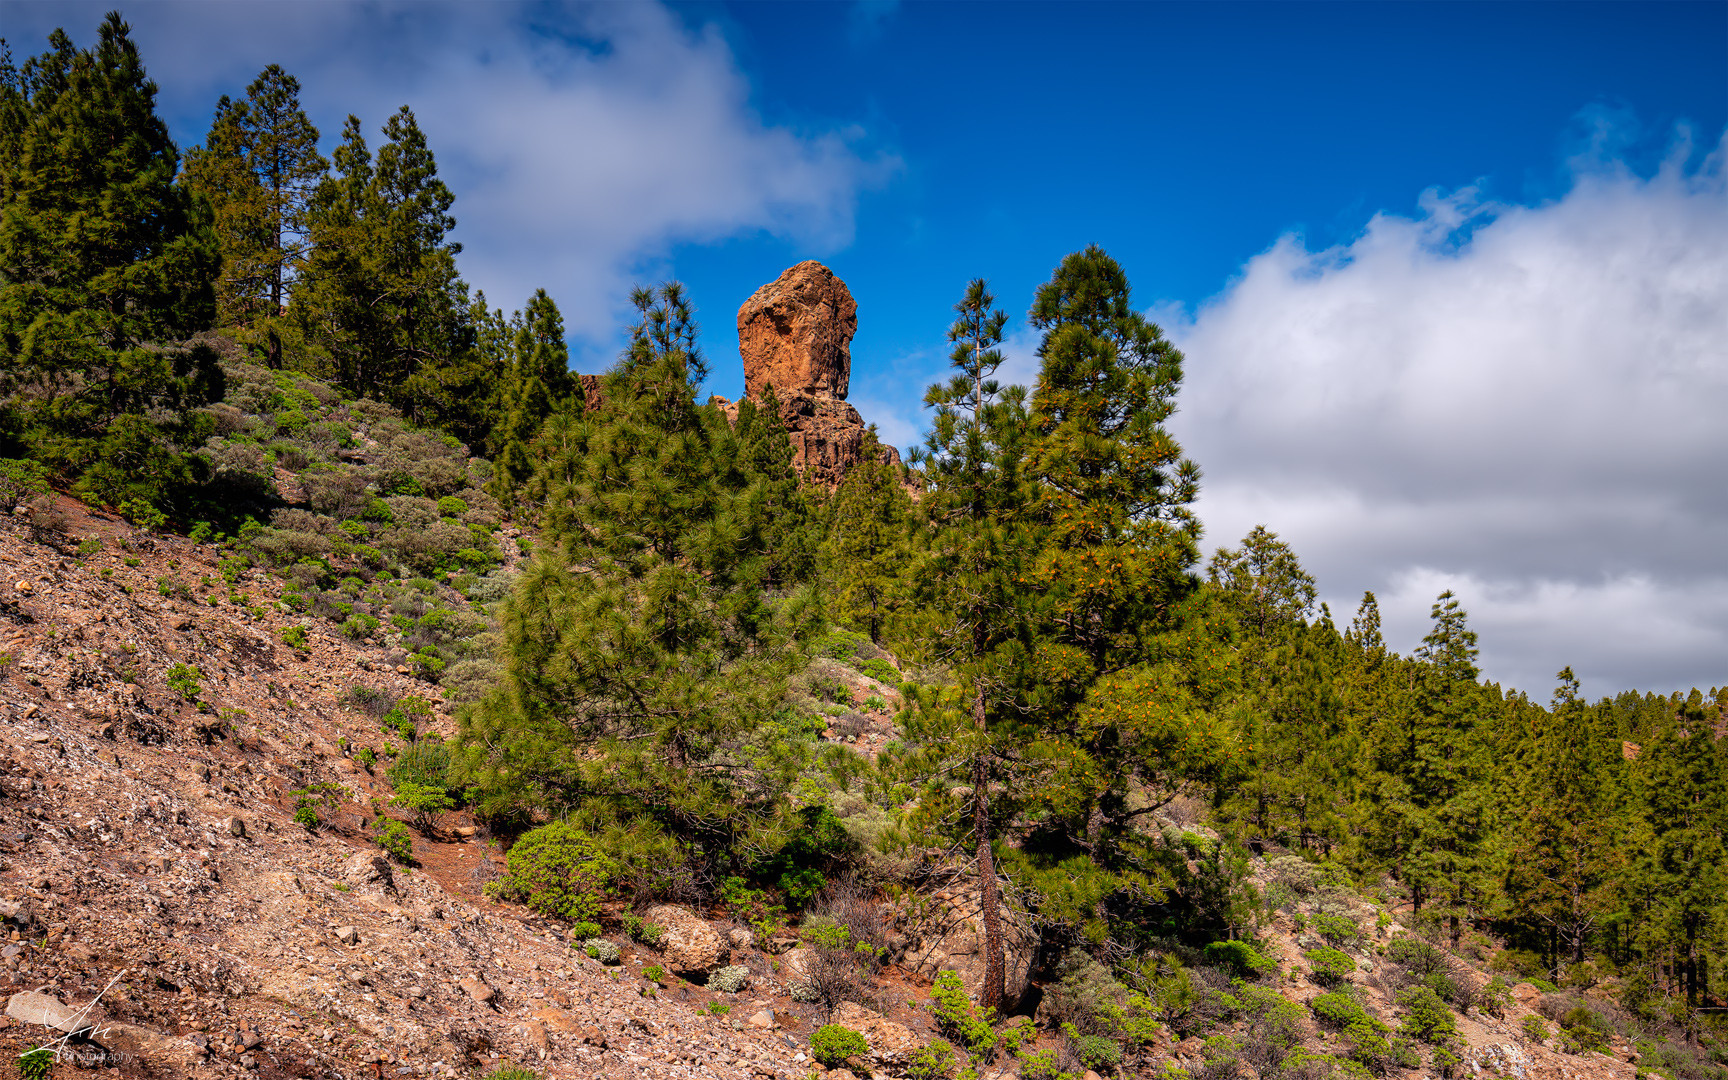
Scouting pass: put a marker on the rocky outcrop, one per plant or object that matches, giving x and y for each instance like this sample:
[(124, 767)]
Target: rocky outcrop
[(795, 334), (795, 337), (692, 947)]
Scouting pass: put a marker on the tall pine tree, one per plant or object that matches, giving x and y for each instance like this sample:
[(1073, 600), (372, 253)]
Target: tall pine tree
[(258, 167), (379, 299), (105, 262)]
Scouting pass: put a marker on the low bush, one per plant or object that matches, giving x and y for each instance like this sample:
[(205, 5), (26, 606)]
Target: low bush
[(1329, 967), (1426, 1016), (1336, 929), (602, 950), (933, 1062), (1240, 958), (1096, 1052), (397, 841), (556, 870), (1085, 996), (729, 979), (425, 803), (832, 1045), (958, 1018), (1337, 1011)]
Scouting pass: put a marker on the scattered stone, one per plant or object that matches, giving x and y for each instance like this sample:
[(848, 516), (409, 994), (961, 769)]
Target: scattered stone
[(347, 935), (478, 990), (235, 827), (762, 1019)]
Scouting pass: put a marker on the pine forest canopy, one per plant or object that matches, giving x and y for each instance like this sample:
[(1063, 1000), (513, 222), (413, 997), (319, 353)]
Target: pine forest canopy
[(1073, 677)]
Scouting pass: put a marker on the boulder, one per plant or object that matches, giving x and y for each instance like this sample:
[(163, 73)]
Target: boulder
[(952, 939), (795, 334), (692, 948), (368, 868), (31, 1007), (891, 1044)]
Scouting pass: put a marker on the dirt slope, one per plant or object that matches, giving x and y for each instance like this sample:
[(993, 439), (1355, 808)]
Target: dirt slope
[(147, 847)]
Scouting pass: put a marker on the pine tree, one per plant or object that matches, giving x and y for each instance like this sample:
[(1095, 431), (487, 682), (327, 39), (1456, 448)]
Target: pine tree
[(258, 167), (104, 263), (1288, 712), (1564, 854), (644, 659), (868, 542), (1679, 881), (1116, 596), (775, 499), (1431, 794), (378, 296), (970, 582)]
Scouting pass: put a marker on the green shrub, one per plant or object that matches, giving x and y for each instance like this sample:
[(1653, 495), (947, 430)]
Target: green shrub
[(1240, 959), (1085, 995), (556, 870), (933, 1062), (451, 506), (37, 1064), (1329, 967), (21, 480), (880, 670), (1336, 929), (1337, 1011), (366, 757), (729, 979), (1096, 1052), (832, 1045), (425, 762), (957, 1017), (425, 803), (1426, 1017), (514, 1072), (1421, 957), (654, 973), (183, 680), (584, 930), (1583, 1031), (1042, 1065), (1535, 1028), (397, 841), (602, 950), (294, 636), (1496, 997)]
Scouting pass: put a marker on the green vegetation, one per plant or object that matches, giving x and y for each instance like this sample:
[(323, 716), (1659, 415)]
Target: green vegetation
[(397, 841), (275, 354), (556, 870), (832, 1044)]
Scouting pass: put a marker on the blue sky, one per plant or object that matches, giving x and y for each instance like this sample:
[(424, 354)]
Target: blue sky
[(1450, 277)]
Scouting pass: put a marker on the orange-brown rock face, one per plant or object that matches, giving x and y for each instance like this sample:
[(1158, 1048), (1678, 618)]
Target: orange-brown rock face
[(795, 334)]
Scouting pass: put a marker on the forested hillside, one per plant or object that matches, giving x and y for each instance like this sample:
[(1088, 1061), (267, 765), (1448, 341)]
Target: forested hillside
[(667, 653)]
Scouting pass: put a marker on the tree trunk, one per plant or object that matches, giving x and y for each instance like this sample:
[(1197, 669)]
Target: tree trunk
[(989, 901)]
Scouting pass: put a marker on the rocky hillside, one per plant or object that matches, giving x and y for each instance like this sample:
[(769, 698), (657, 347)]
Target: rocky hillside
[(151, 858), (162, 900)]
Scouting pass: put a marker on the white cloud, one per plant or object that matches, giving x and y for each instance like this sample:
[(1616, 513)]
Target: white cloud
[(1521, 402), (582, 142)]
